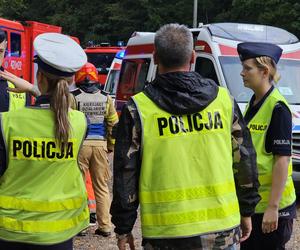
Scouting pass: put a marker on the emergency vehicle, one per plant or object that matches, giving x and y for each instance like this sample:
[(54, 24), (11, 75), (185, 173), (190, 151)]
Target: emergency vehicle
[(20, 52), (102, 57), (112, 79), (217, 58)]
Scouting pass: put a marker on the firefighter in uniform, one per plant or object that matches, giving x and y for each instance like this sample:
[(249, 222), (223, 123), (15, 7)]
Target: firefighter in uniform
[(102, 116), (43, 202), (9, 100), (270, 122), (173, 157), (87, 70)]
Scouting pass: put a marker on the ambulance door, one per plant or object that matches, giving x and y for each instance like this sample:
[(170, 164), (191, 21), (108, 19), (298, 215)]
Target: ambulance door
[(206, 66), (133, 76)]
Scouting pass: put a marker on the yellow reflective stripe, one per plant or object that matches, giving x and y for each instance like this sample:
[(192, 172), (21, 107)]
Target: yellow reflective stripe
[(204, 215), (39, 226), (187, 194), (8, 202)]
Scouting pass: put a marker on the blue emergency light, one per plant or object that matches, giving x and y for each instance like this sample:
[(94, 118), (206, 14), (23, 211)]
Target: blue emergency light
[(120, 54), (120, 43)]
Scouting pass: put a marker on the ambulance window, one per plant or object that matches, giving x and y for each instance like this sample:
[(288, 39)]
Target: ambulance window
[(142, 76), (128, 74), (15, 44), (133, 75), (102, 61), (206, 68)]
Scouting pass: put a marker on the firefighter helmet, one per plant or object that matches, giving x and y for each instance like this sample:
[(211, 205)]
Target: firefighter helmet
[(87, 73)]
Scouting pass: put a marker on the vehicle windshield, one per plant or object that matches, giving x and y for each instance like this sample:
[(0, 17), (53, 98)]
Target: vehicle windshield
[(102, 61), (112, 82), (288, 85)]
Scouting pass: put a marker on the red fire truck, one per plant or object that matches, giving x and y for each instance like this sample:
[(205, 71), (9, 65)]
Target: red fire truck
[(20, 52), (102, 56)]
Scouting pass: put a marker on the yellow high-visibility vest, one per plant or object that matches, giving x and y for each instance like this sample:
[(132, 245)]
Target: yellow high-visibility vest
[(16, 100), (186, 184), (258, 127), (42, 193)]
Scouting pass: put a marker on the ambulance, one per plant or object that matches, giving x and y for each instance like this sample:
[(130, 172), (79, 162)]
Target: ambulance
[(217, 59)]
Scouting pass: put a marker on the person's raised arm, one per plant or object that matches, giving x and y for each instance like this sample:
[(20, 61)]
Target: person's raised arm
[(21, 85)]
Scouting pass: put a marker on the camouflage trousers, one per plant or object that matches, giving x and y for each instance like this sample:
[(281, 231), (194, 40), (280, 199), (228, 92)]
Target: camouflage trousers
[(228, 240)]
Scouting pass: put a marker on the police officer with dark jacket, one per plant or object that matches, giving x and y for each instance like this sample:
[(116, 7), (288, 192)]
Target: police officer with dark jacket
[(270, 122), (184, 154)]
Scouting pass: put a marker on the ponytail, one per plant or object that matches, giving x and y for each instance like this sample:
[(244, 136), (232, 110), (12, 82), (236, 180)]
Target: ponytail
[(58, 90), (60, 102)]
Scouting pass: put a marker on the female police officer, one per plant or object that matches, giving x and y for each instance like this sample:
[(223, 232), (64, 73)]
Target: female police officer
[(269, 120), (42, 194)]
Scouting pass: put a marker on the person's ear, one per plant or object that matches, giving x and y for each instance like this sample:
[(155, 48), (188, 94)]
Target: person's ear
[(42, 82), (155, 57), (266, 72), (193, 57)]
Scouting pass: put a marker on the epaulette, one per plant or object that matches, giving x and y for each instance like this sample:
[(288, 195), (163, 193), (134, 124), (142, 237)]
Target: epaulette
[(104, 92), (76, 92)]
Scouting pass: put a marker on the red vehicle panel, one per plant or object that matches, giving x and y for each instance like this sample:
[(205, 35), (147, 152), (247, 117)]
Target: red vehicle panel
[(20, 52)]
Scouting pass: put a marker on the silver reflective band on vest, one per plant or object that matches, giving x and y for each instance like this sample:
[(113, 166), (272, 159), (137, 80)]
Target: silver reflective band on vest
[(94, 106)]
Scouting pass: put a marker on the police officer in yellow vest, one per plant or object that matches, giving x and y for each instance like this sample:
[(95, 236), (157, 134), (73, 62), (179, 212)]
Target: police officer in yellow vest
[(174, 156), (9, 100), (43, 202), (270, 122)]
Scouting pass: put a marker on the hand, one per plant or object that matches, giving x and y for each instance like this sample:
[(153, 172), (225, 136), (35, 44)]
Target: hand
[(21, 85), (270, 220), (127, 239), (246, 226)]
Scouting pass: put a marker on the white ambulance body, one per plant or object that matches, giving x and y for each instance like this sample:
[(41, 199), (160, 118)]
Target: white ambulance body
[(113, 75), (217, 58)]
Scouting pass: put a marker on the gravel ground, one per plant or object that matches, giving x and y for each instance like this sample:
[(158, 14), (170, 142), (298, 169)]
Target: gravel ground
[(95, 242)]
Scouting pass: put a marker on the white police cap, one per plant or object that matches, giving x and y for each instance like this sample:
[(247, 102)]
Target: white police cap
[(59, 54)]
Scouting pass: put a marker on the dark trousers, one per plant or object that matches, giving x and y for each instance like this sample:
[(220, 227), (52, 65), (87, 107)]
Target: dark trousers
[(270, 241), (6, 245)]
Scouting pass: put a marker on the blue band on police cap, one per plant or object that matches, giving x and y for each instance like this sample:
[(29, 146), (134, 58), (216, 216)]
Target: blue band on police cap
[(48, 68), (249, 50)]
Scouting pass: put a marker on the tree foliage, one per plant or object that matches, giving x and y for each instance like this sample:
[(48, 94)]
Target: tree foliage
[(103, 20)]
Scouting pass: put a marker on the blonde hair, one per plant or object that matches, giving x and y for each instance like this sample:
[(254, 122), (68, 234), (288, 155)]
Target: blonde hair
[(59, 102), (264, 62)]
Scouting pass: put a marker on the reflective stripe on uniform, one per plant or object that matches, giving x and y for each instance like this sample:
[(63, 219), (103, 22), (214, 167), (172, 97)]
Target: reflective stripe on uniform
[(39, 226), (7, 202), (188, 193)]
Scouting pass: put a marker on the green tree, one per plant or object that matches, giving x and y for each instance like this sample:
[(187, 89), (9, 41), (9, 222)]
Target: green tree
[(113, 20)]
